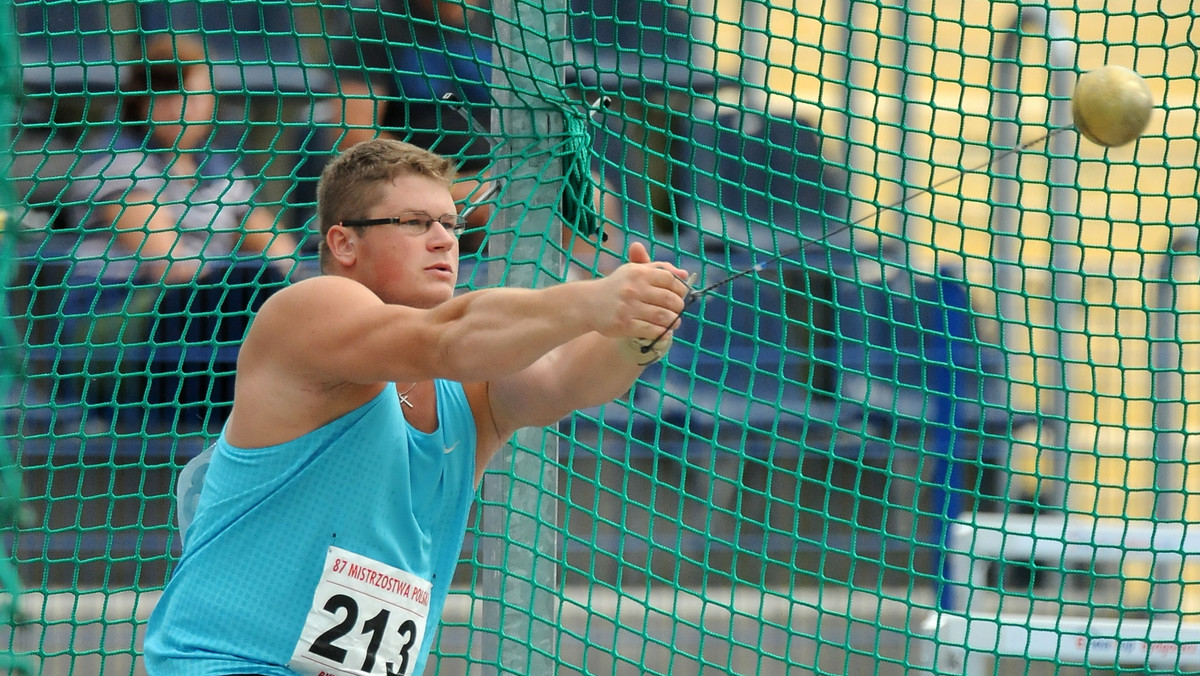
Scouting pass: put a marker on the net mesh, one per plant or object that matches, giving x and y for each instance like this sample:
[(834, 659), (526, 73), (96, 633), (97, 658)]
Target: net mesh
[(951, 435)]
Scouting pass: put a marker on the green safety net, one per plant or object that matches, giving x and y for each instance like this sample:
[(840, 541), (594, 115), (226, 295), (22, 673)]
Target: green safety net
[(11, 508), (919, 420)]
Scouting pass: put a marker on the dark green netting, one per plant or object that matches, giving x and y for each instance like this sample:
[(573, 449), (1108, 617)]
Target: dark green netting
[(951, 436)]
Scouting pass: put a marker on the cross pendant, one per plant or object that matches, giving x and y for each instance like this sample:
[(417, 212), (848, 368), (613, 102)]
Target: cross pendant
[(404, 400)]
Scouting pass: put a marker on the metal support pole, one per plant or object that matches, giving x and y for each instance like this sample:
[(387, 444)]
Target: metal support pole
[(1170, 422), (909, 170), (517, 542), (855, 98), (756, 53), (1065, 257)]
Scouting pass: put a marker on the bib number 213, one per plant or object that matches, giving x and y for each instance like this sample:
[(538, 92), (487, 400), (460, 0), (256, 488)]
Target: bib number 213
[(366, 618)]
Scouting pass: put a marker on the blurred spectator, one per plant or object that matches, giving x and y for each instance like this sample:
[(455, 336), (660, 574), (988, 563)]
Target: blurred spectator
[(159, 206), (162, 203), (401, 60)]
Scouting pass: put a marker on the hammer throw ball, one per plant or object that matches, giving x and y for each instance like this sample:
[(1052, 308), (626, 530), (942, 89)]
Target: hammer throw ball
[(1111, 105)]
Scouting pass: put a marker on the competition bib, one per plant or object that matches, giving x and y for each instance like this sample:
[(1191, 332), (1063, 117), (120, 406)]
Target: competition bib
[(366, 618)]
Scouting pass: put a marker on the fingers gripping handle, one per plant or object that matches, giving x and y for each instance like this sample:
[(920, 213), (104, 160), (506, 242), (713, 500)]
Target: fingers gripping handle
[(647, 351)]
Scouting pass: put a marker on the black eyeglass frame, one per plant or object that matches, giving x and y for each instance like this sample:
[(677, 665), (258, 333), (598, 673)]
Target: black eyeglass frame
[(457, 229)]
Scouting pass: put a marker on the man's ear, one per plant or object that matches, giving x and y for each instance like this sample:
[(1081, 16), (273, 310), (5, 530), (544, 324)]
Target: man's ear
[(342, 244)]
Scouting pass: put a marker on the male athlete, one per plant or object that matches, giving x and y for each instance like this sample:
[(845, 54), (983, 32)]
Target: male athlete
[(369, 401)]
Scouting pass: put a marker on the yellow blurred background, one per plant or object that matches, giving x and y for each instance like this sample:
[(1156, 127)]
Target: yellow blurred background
[(929, 72)]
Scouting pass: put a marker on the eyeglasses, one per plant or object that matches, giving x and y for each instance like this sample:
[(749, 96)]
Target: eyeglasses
[(416, 223)]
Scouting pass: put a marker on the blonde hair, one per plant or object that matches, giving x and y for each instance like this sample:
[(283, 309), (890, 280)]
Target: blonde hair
[(359, 176)]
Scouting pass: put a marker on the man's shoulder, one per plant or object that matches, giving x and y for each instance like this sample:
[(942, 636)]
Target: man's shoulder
[(309, 300), (319, 304), (320, 285), (290, 332)]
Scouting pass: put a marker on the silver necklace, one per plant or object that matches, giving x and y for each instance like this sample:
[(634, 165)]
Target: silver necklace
[(404, 396)]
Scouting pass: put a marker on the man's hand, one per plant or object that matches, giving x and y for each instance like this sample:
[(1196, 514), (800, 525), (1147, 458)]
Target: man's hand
[(641, 300)]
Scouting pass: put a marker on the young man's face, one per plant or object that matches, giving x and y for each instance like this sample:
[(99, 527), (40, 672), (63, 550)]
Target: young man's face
[(402, 264)]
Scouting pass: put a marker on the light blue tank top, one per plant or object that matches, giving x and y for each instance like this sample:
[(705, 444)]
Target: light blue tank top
[(269, 520)]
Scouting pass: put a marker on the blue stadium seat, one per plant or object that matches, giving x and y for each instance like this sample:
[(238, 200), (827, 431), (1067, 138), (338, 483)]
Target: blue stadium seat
[(907, 348), (736, 373), (253, 44), (967, 370), (170, 366), (736, 378), (621, 45), (66, 47), (197, 334), (755, 180)]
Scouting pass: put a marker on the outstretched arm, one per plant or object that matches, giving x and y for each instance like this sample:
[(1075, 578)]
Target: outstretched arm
[(595, 367), (319, 348), (337, 331)]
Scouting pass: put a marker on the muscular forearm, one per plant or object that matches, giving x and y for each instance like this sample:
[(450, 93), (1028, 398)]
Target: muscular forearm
[(587, 371), (516, 327), (495, 332), (594, 370)]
